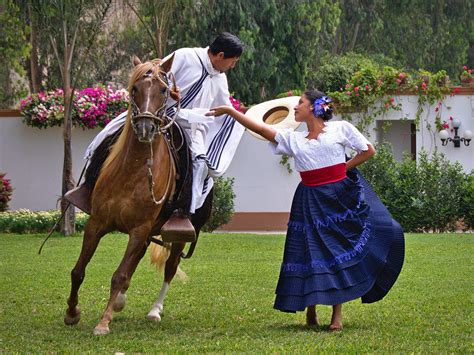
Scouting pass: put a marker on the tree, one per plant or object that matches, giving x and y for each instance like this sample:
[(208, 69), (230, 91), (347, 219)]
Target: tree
[(156, 19), (72, 27), (419, 34), (13, 49), (282, 38)]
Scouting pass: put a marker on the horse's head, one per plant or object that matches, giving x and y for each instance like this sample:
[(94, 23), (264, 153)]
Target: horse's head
[(149, 88)]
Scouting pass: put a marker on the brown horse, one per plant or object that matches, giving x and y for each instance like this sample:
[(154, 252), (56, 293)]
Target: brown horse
[(134, 185)]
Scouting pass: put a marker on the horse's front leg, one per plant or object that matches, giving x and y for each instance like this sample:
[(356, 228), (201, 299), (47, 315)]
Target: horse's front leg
[(170, 270), (136, 248), (92, 234)]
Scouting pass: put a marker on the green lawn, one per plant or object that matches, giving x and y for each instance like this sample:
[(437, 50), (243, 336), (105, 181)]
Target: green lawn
[(226, 305)]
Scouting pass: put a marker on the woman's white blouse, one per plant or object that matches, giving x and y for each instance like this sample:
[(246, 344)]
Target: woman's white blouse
[(327, 150)]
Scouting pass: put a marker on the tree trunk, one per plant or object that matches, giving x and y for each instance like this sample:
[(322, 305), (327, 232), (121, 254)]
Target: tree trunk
[(355, 33), (68, 222)]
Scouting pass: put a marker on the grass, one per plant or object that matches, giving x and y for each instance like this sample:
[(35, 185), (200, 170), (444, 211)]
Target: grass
[(226, 305)]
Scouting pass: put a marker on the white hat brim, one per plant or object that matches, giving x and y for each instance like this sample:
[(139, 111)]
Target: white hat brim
[(278, 113)]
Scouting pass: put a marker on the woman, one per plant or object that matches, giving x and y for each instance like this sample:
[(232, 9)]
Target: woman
[(341, 243)]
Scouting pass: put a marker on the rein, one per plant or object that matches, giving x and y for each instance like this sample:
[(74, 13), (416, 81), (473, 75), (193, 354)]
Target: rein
[(164, 123), (151, 182)]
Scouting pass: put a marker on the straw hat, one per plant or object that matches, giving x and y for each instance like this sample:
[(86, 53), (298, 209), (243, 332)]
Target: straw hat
[(279, 113)]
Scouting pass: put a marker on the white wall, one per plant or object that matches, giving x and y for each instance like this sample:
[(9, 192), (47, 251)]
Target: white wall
[(33, 159), (458, 106)]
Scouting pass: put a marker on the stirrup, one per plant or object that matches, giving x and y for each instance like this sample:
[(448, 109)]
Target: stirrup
[(80, 197), (178, 228)]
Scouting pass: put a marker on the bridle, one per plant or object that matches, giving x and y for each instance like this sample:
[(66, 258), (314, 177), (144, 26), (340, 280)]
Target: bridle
[(162, 124), (159, 118)]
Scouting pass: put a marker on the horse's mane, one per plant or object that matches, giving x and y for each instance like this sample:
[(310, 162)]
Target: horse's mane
[(122, 143)]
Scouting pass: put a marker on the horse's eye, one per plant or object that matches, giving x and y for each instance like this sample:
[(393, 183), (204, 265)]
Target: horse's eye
[(163, 90)]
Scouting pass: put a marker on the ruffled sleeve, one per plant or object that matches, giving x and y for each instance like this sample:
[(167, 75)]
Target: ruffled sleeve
[(284, 144), (353, 139)]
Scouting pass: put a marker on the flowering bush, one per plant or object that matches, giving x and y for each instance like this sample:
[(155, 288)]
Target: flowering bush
[(5, 192), (26, 221), (288, 93), (92, 107), (409, 188), (236, 103), (98, 106), (466, 75), (45, 109)]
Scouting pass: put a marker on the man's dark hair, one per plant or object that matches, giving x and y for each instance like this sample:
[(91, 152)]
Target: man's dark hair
[(228, 43)]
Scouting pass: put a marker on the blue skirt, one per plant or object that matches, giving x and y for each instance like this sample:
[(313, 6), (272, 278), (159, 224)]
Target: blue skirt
[(341, 244)]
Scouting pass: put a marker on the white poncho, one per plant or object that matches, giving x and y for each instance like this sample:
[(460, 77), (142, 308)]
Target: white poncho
[(212, 140)]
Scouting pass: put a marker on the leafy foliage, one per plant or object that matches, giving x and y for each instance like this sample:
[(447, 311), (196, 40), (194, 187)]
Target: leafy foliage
[(419, 34), (432, 194), (364, 85), (14, 48), (282, 38), (25, 221), (222, 204), (467, 202)]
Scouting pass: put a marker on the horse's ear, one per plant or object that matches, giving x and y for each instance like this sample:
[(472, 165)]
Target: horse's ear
[(136, 60), (166, 66)]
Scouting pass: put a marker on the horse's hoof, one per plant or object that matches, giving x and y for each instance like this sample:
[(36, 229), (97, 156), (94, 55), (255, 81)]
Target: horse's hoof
[(154, 315), (72, 319), (101, 330), (119, 303)]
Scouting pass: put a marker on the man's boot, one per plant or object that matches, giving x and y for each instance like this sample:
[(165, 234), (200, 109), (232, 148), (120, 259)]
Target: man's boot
[(178, 228), (80, 197)]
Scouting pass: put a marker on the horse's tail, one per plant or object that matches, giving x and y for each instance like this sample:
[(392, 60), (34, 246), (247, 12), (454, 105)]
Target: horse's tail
[(158, 257)]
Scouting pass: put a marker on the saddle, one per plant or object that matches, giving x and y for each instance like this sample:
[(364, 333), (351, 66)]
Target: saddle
[(178, 227)]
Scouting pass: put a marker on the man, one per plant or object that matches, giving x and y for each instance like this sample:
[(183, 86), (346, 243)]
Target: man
[(200, 77)]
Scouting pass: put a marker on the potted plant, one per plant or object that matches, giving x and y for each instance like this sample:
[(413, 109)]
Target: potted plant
[(466, 77)]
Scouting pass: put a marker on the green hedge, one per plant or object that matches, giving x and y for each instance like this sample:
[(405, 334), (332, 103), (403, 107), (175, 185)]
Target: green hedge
[(432, 194), (25, 221)]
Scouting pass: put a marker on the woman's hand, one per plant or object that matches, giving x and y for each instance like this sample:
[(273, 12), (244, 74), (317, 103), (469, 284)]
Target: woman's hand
[(220, 110), (360, 158)]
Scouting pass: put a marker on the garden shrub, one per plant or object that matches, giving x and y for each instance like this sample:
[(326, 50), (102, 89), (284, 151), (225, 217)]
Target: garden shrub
[(26, 221), (431, 194), (336, 71), (222, 204), (5, 192), (467, 204)]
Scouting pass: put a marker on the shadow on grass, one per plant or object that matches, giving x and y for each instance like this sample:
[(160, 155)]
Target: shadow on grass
[(322, 328)]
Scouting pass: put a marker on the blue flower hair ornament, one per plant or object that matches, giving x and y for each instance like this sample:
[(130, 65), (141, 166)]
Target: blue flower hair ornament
[(321, 105)]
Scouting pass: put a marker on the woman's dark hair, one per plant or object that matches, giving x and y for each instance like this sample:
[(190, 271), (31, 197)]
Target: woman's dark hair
[(228, 43), (313, 95)]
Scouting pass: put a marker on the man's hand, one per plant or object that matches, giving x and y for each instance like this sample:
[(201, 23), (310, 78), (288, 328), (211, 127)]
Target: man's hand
[(244, 109), (175, 94)]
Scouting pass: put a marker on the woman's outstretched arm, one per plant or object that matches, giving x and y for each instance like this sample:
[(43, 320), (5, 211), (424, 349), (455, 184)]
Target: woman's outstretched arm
[(261, 128)]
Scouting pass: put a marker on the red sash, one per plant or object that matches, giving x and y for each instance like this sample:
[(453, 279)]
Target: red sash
[(324, 175)]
